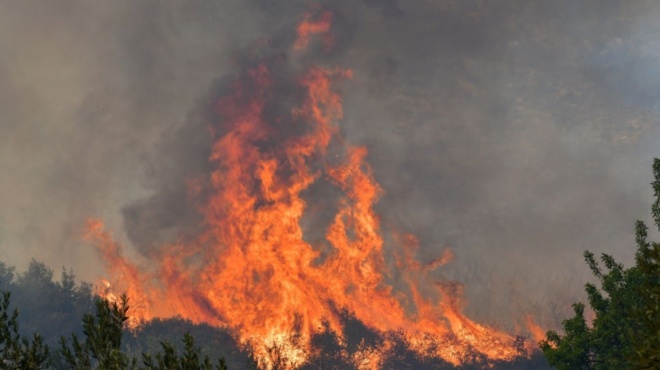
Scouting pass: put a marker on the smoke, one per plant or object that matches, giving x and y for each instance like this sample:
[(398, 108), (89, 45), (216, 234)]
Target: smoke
[(518, 133)]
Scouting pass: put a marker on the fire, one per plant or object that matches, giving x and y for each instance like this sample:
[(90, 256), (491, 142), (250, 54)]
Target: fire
[(537, 332), (121, 270), (252, 271), (310, 26)]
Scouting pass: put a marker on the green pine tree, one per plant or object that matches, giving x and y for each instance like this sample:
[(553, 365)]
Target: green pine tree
[(191, 358), (102, 346), (16, 351)]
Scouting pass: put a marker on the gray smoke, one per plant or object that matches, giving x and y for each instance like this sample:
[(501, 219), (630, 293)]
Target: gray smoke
[(518, 133)]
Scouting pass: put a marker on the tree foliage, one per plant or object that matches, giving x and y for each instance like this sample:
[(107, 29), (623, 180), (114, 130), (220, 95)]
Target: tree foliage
[(191, 359), (625, 333), (18, 352), (102, 346), (646, 340), (48, 307)]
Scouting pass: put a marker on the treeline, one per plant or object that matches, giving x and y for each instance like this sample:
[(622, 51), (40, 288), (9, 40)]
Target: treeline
[(60, 324), (100, 349), (63, 325)]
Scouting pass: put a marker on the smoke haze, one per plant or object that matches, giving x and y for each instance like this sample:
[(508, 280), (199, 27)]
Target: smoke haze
[(517, 133)]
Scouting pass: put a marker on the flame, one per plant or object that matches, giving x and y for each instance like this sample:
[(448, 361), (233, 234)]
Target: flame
[(538, 333), (309, 26), (252, 271), (121, 270)]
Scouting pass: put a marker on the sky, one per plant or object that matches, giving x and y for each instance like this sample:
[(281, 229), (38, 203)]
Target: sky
[(516, 133)]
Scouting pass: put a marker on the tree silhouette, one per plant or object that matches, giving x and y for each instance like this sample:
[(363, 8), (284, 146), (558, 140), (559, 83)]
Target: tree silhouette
[(16, 351), (102, 346), (626, 330), (646, 340), (191, 358)]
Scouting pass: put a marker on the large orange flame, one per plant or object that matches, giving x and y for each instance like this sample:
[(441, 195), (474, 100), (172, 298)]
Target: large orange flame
[(252, 272)]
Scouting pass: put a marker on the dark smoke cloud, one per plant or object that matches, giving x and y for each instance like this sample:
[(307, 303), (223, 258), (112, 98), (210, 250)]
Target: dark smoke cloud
[(518, 133)]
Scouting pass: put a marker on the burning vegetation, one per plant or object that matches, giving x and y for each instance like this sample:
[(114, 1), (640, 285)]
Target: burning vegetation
[(253, 271)]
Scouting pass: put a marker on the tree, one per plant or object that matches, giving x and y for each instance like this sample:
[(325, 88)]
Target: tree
[(608, 343), (49, 307), (646, 341), (16, 351), (625, 333), (191, 358), (102, 346)]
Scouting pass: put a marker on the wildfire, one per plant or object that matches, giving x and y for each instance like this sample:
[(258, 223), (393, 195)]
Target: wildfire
[(252, 271), (121, 270), (310, 26), (538, 333)]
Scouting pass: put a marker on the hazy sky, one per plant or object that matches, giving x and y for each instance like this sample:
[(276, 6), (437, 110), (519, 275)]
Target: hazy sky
[(517, 132)]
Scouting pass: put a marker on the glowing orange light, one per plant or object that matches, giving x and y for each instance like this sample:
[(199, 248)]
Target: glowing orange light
[(252, 272), (309, 26)]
